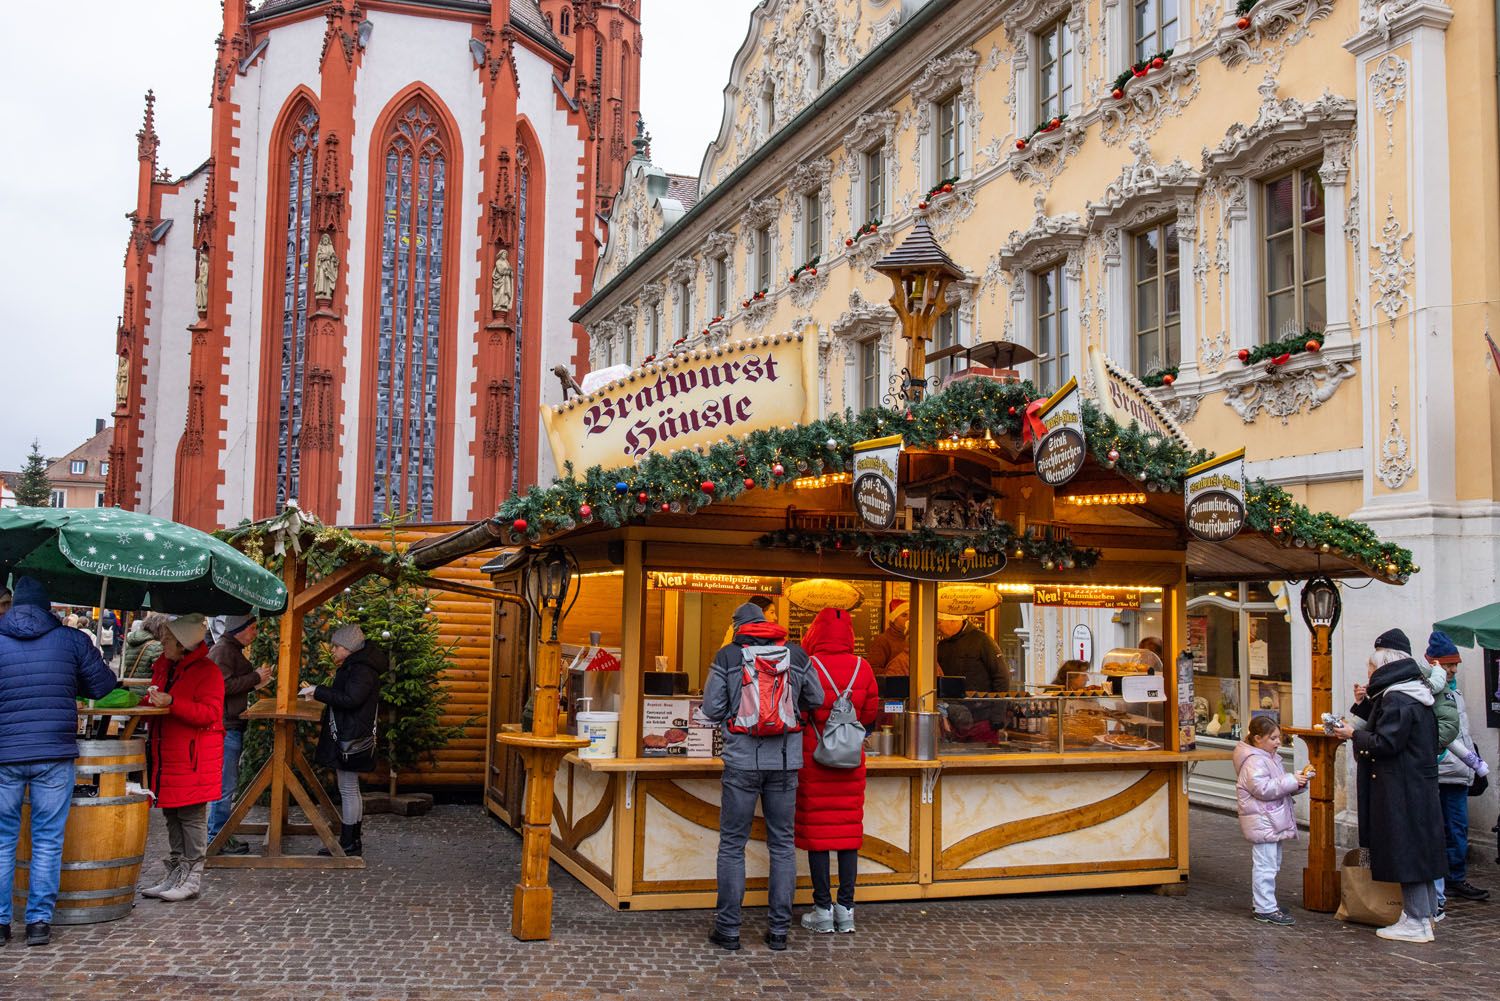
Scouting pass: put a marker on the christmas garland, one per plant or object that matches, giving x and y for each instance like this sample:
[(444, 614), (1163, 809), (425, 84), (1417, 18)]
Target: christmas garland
[(757, 297), (691, 479), (1244, 7), (1278, 352), (943, 187), (873, 226), (1137, 70), (1051, 553), (1047, 126), (810, 266), (1160, 377)]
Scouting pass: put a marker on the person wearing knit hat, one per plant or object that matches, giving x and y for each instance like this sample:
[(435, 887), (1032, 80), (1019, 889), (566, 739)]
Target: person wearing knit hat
[(240, 679), (186, 751), (347, 732), (886, 649), (1459, 768), (44, 668), (1393, 639)]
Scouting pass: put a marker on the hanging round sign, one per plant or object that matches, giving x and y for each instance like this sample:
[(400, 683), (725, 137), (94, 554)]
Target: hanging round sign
[(1059, 456), (966, 599), (875, 500), (821, 592), (1215, 515)]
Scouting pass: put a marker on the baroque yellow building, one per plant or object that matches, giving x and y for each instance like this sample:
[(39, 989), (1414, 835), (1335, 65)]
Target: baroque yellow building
[(1282, 214)]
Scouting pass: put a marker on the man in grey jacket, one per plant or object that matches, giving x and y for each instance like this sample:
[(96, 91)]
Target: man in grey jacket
[(1457, 767), (756, 768)]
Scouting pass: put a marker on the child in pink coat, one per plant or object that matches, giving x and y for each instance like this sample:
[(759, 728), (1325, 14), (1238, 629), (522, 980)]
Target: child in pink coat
[(1265, 792)]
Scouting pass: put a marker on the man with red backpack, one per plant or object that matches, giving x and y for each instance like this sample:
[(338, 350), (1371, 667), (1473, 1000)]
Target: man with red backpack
[(759, 687)]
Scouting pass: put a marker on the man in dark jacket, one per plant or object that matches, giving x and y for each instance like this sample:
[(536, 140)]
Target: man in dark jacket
[(240, 679), (44, 668), (1458, 765), (1395, 751), (969, 653), (760, 768)]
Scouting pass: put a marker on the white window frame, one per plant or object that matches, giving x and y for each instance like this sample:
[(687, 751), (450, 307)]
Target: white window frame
[(1067, 63), (1029, 21), (818, 57), (767, 108), (104, 467), (868, 350), (1133, 44), (1263, 292), (720, 280), (874, 163), (765, 258), (1133, 283), (59, 498), (99, 498), (78, 467), (684, 301), (812, 237), (960, 162)]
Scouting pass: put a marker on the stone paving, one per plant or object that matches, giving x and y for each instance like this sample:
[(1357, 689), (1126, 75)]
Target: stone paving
[(430, 919)]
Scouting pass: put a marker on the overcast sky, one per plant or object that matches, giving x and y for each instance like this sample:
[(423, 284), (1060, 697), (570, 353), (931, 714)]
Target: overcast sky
[(74, 112)]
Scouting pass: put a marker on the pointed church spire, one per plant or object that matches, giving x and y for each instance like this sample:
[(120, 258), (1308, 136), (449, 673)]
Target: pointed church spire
[(145, 140)]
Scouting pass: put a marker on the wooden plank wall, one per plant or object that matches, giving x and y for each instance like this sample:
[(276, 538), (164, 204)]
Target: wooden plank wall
[(463, 621)]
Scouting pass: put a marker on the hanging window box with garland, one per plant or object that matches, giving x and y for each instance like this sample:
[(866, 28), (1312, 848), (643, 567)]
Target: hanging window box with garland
[(1051, 141), (939, 194), (1283, 377), (808, 267), (871, 228), (759, 296)]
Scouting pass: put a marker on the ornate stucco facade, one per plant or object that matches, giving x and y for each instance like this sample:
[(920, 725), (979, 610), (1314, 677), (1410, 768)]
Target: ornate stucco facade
[(1318, 169)]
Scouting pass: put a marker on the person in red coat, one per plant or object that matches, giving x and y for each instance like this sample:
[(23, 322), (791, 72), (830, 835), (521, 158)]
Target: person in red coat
[(185, 751), (831, 801)]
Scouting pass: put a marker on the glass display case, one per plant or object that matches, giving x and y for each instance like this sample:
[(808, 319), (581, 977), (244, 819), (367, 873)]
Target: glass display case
[(1092, 719)]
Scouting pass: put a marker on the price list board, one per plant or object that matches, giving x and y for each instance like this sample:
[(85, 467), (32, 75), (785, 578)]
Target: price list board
[(868, 621)]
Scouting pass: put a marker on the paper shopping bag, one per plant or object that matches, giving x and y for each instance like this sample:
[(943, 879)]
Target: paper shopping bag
[(1366, 900)]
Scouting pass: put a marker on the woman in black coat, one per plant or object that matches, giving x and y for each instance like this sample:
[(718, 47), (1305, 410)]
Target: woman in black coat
[(1396, 750), (350, 704)]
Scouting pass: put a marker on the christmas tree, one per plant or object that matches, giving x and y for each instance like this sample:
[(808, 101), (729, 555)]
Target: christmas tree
[(34, 489)]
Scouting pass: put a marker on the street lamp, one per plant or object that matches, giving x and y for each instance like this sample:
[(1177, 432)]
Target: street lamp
[(548, 580), (1321, 608), (920, 272)]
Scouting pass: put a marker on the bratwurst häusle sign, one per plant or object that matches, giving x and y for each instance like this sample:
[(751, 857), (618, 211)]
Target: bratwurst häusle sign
[(690, 399)]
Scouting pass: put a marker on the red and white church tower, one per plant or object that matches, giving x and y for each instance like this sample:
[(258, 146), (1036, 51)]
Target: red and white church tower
[(353, 301)]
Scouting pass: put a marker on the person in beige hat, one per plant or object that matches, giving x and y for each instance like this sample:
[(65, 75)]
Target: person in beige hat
[(185, 751), (346, 742)]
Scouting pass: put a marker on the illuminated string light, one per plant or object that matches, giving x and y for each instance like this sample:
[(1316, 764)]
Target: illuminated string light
[(951, 445), (1101, 500), (823, 480)]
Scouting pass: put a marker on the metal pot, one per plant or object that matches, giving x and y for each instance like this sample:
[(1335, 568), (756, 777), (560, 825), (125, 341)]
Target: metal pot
[(922, 731)]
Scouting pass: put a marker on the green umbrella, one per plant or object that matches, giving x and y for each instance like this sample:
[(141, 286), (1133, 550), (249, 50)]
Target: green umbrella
[(1482, 624), (141, 560)]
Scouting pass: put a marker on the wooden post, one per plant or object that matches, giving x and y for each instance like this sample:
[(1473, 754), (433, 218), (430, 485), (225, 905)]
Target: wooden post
[(1320, 880), (541, 751)]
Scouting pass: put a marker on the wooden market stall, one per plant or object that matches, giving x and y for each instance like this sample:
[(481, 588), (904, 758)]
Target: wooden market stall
[(1026, 790)]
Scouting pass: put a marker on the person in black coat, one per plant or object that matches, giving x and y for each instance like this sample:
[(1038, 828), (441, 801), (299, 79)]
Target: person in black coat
[(1396, 750), (350, 703)]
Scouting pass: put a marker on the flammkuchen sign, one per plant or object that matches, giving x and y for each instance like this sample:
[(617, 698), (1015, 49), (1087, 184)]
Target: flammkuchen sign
[(690, 399)]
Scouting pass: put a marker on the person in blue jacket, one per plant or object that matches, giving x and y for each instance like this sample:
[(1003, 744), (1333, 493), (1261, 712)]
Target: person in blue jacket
[(44, 668)]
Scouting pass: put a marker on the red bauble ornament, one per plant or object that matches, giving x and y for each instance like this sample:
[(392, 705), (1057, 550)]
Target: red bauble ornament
[(838, 543), (778, 470), (813, 272), (848, 243), (1158, 63), (1168, 379), (905, 553), (519, 524), (1275, 529), (947, 189), (794, 278), (1117, 94), (1013, 411), (1114, 455), (707, 486), (1054, 123), (642, 496), (665, 507), (1315, 346), (1137, 71), (921, 205), (1281, 359), (1020, 144), (749, 483), (1245, 355), (584, 511), (741, 461), (1242, 23)]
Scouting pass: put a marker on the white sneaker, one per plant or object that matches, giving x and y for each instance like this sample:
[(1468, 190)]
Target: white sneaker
[(1428, 924), (819, 919), (843, 918), (1408, 929)]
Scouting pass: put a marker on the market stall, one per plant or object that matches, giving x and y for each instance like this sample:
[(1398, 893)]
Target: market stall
[(981, 507)]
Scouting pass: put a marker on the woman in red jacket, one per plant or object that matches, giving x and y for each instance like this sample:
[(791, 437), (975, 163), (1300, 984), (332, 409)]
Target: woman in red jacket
[(185, 751), (831, 801)]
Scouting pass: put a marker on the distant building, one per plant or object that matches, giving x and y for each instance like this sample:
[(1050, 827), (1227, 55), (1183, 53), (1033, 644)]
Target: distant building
[(8, 480), (78, 477)]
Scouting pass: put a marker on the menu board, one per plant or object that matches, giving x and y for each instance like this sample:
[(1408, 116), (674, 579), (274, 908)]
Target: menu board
[(868, 621)]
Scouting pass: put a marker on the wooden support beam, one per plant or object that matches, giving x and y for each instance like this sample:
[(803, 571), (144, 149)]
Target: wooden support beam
[(323, 590)]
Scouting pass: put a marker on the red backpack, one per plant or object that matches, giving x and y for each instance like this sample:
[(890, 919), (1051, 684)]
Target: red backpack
[(768, 706)]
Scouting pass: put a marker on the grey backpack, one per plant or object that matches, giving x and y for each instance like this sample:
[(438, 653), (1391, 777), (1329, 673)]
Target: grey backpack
[(841, 741)]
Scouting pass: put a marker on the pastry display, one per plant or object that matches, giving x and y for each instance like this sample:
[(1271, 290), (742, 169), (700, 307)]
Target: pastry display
[(675, 736), (654, 740), (1127, 742)]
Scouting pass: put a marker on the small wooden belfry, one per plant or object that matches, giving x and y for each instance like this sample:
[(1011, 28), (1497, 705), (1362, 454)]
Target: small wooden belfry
[(920, 272)]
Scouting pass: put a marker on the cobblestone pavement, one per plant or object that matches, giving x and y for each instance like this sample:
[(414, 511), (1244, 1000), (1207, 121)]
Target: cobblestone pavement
[(430, 919)]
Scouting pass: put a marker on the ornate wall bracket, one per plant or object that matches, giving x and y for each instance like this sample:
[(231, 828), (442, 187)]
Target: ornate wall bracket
[(1149, 101), (1287, 20), (1306, 381), (1047, 153)]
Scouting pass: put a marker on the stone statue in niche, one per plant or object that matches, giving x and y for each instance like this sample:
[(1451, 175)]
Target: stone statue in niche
[(200, 291), (122, 381), (325, 269), (502, 283)]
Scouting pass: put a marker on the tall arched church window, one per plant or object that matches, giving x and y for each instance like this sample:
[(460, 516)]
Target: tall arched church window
[(300, 151), (523, 214), (413, 209), (564, 20)]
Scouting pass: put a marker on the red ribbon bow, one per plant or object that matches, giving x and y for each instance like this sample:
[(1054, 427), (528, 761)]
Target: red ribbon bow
[(1031, 422)]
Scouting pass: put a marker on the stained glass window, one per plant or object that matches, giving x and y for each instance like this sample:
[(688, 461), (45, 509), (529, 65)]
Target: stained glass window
[(413, 203), (523, 191), (301, 150)]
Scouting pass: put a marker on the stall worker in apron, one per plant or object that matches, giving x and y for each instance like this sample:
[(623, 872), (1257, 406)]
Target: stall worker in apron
[(44, 668)]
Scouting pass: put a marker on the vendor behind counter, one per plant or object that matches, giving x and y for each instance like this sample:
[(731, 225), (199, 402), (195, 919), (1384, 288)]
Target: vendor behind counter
[(969, 653)]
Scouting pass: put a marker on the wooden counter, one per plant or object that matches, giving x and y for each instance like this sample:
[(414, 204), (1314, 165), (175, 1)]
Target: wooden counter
[(894, 763)]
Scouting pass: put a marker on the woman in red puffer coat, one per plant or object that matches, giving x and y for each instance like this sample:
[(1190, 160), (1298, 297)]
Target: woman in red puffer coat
[(831, 801), (185, 751)]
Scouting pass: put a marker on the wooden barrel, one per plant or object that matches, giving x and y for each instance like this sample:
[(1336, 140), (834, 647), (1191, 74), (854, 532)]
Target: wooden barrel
[(105, 838)]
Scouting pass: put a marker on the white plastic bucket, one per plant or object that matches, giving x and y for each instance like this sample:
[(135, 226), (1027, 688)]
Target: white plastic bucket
[(602, 729)]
